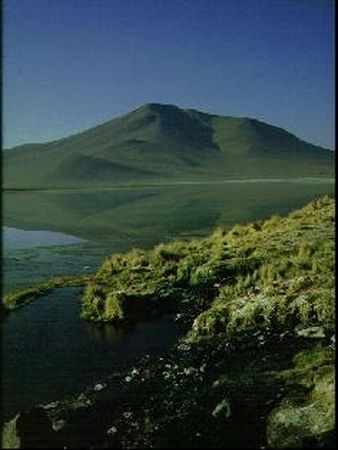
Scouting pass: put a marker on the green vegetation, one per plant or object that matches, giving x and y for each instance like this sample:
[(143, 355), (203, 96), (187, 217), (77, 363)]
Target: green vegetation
[(10, 438), (24, 296), (162, 143), (259, 276), (159, 277), (254, 367)]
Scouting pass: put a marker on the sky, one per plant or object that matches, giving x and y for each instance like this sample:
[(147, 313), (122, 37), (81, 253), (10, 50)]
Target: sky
[(71, 64)]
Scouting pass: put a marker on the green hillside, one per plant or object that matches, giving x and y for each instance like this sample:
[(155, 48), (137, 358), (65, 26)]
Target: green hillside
[(163, 142)]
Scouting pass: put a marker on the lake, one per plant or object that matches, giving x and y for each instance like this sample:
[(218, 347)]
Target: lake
[(48, 352), (15, 239)]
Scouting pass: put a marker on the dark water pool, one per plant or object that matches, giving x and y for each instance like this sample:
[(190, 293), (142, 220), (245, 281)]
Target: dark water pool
[(49, 353)]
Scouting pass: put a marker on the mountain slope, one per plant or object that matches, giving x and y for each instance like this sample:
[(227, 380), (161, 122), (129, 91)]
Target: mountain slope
[(164, 142)]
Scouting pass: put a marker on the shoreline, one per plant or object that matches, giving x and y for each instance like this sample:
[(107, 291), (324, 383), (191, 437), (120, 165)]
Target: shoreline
[(176, 183)]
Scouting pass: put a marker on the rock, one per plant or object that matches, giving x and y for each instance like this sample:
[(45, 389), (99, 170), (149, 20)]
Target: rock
[(82, 401), (51, 405), (112, 430), (58, 424), (99, 386), (222, 410), (311, 332), (293, 424)]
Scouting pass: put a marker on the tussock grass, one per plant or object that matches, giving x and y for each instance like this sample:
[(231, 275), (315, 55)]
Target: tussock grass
[(268, 274)]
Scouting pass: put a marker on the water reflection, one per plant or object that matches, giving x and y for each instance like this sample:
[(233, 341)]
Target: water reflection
[(49, 353), (106, 333), (127, 217)]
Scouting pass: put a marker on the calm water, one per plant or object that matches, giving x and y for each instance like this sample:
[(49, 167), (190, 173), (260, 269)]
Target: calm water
[(47, 351), (15, 239), (116, 220)]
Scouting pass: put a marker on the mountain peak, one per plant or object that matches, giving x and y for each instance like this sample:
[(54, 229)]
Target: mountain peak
[(158, 107), (165, 142)]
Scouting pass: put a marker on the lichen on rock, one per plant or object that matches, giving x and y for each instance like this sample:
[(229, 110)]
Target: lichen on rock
[(306, 416)]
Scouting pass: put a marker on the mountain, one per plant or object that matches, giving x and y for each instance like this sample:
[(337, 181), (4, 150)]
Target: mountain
[(164, 143)]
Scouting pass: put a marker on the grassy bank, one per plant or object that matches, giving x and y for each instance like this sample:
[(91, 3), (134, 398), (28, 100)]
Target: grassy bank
[(268, 274), (22, 297)]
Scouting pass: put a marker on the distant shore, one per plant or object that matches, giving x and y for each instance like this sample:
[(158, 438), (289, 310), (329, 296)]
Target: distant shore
[(177, 183)]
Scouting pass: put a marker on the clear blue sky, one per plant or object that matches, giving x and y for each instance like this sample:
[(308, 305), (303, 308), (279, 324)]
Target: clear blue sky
[(71, 64)]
